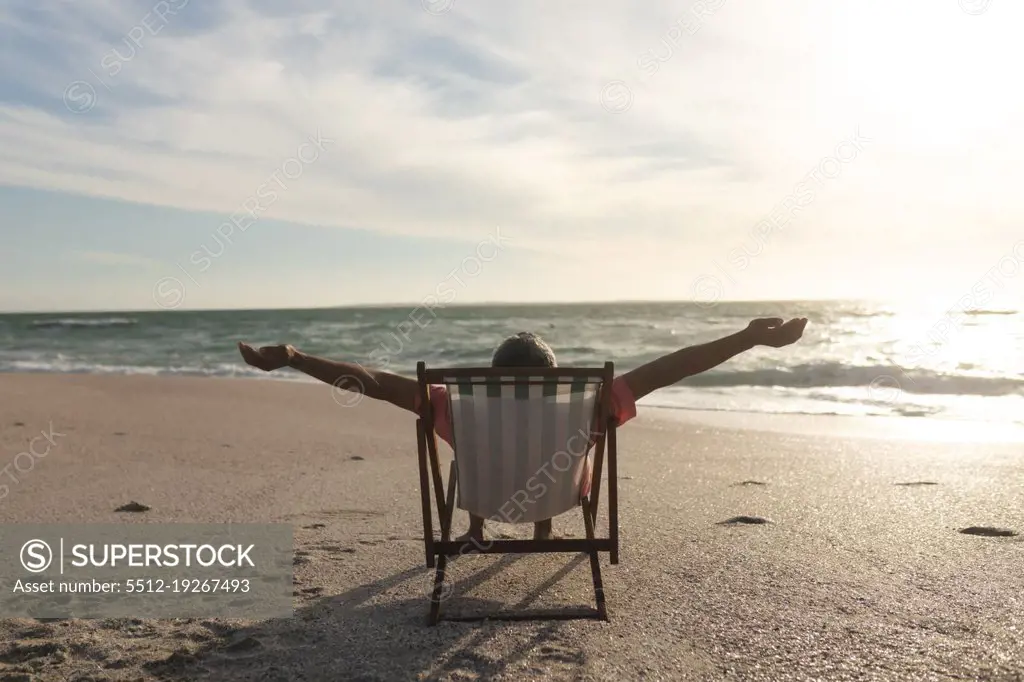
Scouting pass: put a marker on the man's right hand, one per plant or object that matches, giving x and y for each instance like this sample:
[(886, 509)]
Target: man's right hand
[(267, 358), (775, 332)]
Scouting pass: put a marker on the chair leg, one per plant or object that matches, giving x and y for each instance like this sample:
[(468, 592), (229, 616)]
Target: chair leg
[(442, 561), (435, 596), (428, 531), (595, 563), (449, 506)]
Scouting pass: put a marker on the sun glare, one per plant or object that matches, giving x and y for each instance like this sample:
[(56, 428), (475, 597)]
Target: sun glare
[(927, 71)]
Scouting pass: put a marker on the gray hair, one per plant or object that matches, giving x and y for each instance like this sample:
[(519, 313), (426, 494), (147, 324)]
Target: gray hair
[(525, 349)]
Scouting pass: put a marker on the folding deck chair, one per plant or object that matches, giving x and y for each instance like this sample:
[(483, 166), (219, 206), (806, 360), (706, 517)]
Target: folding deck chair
[(521, 442)]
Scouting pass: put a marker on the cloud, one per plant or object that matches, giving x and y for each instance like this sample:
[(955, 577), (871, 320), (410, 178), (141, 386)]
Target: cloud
[(112, 258), (446, 124)]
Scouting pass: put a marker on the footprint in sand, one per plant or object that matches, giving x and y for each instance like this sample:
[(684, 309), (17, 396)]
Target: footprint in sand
[(989, 532), (244, 645), (220, 629), (347, 514), (754, 520), (58, 599), (562, 655), (178, 662), (36, 632), (462, 663), (35, 654), (197, 637), (336, 548), (19, 423), (23, 653)]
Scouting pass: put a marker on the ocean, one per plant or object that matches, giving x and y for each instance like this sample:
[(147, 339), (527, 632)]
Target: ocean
[(855, 358)]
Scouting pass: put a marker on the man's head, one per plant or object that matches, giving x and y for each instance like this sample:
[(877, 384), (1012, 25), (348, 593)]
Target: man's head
[(525, 349)]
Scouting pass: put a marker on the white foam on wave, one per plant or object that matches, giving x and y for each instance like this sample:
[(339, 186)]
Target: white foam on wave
[(836, 374), (85, 322), (63, 366), (842, 401)]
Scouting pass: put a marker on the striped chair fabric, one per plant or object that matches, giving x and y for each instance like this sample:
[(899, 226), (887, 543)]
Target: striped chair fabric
[(522, 447)]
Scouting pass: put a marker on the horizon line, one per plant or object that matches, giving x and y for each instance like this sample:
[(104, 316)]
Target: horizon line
[(382, 306)]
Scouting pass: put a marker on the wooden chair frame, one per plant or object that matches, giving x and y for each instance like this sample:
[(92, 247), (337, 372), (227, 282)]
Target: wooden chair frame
[(438, 551)]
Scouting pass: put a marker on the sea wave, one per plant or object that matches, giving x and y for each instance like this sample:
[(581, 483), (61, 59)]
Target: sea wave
[(64, 366), (782, 408), (91, 322), (884, 377)]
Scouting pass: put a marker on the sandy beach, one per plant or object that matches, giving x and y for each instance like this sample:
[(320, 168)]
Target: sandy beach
[(861, 573)]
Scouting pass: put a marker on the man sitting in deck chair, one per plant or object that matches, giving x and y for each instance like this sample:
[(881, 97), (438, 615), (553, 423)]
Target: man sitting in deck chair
[(529, 350)]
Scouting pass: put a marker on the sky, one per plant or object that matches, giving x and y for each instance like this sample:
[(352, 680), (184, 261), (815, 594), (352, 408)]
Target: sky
[(253, 154)]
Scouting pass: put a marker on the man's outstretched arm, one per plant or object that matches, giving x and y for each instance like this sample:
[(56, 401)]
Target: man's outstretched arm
[(686, 362), (392, 388)]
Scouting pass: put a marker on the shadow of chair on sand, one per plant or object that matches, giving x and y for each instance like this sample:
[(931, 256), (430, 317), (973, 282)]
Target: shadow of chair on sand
[(350, 637)]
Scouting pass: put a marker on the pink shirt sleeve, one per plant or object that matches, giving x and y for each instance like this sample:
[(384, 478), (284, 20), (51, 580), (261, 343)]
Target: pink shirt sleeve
[(623, 403), (442, 419), (623, 407)]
